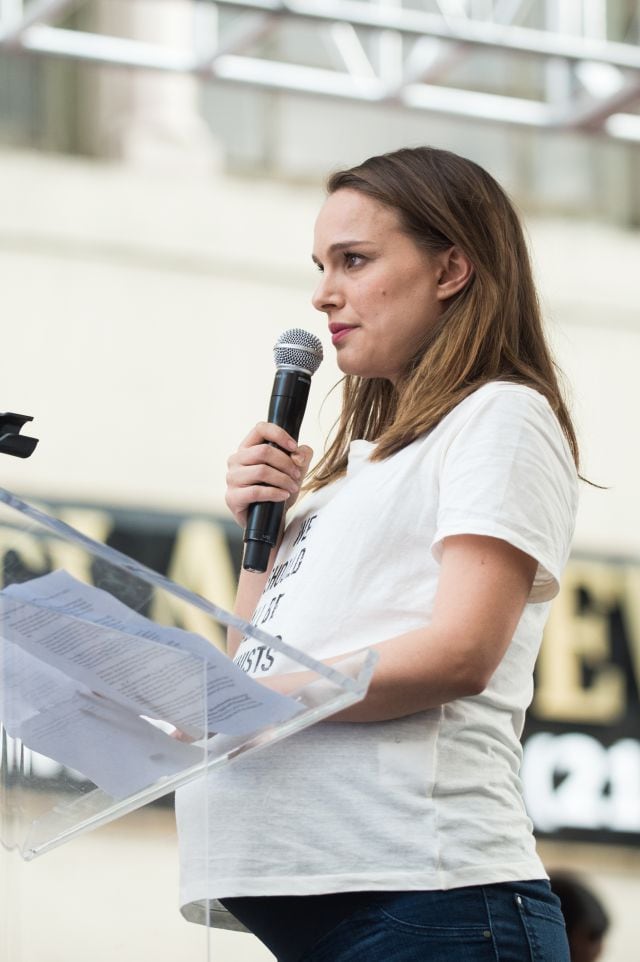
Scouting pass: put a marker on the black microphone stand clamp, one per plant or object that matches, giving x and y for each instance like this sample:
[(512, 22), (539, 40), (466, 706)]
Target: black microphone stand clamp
[(11, 441)]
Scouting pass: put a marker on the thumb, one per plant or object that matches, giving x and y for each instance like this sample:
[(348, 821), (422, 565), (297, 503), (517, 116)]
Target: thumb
[(307, 454)]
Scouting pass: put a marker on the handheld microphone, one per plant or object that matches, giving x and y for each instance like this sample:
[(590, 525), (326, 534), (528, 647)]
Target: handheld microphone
[(297, 356)]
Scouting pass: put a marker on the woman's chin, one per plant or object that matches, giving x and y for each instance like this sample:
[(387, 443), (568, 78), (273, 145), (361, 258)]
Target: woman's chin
[(362, 370)]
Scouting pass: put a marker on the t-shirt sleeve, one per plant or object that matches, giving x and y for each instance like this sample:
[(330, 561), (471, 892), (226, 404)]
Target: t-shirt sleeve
[(508, 473)]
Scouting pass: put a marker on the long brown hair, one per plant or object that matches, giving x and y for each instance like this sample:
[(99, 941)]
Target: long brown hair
[(490, 331)]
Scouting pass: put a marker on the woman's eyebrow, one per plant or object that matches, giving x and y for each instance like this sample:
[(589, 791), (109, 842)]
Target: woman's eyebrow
[(342, 246)]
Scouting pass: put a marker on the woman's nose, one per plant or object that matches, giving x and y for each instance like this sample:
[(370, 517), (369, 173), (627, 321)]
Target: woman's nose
[(327, 294)]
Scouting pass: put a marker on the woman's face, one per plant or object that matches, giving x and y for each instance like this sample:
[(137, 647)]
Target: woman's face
[(381, 293)]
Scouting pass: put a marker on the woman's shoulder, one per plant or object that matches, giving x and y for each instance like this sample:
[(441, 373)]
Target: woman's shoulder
[(499, 401), (504, 394), (503, 403), (503, 416), (503, 409)]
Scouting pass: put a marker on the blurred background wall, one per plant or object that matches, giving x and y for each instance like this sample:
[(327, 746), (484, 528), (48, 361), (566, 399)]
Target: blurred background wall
[(161, 165)]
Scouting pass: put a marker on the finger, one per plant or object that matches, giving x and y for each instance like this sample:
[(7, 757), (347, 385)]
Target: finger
[(303, 457), (181, 736), (265, 431), (255, 492), (243, 476), (267, 454)]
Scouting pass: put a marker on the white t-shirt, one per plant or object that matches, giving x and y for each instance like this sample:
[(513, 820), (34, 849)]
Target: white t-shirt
[(432, 800)]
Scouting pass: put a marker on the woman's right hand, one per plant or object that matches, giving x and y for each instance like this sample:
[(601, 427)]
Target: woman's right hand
[(258, 471)]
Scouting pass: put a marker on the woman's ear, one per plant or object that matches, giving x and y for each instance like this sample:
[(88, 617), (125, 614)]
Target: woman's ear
[(455, 271)]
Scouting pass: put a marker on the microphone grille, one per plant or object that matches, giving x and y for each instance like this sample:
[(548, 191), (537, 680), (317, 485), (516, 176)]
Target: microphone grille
[(298, 348)]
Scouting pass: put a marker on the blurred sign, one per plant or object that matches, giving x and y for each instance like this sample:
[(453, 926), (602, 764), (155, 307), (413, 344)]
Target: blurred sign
[(581, 768)]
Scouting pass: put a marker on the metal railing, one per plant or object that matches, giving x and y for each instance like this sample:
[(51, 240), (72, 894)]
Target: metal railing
[(427, 56)]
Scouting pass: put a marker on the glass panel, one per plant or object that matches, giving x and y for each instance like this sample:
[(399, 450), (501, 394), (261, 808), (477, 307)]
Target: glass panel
[(106, 708)]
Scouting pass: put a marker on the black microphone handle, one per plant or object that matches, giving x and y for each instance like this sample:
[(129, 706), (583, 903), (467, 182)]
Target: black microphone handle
[(286, 409)]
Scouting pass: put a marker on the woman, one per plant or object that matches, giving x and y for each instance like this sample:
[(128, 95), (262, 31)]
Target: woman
[(436, 527)]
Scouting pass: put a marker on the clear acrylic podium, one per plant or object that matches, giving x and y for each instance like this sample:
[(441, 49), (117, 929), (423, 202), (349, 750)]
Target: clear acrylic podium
[(107, 706)]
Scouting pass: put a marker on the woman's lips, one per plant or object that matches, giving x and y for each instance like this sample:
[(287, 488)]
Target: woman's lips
[(339, 332)]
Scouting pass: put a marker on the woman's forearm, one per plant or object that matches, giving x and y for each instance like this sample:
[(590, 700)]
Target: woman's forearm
[(250, 587)]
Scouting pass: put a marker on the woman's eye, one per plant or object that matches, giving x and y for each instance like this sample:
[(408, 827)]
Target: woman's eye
[(353, 260)]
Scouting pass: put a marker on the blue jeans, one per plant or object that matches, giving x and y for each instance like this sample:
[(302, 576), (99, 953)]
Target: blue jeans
[(508, 922), (505, 922)]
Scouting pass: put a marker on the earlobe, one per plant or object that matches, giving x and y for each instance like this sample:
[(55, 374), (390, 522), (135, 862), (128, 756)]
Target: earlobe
[(457, 271)]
